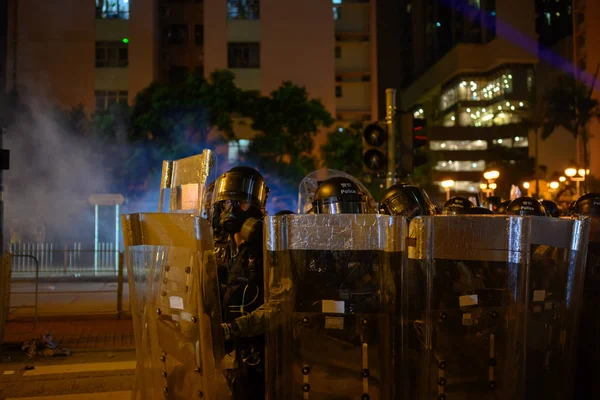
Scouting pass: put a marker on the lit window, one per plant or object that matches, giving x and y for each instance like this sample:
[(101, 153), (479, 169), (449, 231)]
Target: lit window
[(243, 9), (459, 166), (113, 9), (458, 145), (236, 148)]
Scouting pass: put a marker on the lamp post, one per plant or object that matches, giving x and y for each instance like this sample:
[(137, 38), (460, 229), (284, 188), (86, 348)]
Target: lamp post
[(526, 186), (490, 177), (578, 176), (447, 185)]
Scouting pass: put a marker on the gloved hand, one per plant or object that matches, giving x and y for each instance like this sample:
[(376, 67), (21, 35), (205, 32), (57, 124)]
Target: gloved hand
[(230, 331)]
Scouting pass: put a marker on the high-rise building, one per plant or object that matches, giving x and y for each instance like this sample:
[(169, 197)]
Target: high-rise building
[(554, 21), (473, 78), (336, 49), (586, 53)]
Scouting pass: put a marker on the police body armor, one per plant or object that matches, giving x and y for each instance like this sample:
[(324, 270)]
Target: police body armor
[(494, 306), (332, 295), (174, 290)]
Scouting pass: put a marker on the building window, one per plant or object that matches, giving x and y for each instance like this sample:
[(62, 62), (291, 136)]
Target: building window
[(105, 98), (337, 13), (177, 74), (477, 88), (237, 148), (244, 55), (338, 91), (458, 145), (111, 55), (338, 52), (199, 35), (112, 9), (177, 34), (460, 166), (243, 9)]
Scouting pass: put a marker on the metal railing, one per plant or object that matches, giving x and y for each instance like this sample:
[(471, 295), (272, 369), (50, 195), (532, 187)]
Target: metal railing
[(67, 260), (81, 297)]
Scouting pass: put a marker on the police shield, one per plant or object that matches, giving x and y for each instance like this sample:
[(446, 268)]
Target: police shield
[(330, 301), (175, 305), (174, 291), (587, 373), (494, 309)]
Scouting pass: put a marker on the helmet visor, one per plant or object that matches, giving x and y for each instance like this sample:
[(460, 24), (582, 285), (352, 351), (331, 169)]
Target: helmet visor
[(346, 207), (235, 186)]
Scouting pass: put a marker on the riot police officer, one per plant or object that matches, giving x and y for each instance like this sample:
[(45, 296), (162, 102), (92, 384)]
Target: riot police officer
[(239, 200), (501, 209), (551, 208), (457, 205), (406, 200)]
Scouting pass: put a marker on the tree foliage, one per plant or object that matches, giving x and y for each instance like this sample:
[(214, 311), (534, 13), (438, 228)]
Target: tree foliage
[(570, 106)]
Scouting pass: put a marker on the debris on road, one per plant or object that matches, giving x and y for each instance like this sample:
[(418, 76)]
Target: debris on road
[(45, 347)]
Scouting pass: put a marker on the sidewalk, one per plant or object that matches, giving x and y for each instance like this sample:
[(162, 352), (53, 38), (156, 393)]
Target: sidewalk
[(104, 333)]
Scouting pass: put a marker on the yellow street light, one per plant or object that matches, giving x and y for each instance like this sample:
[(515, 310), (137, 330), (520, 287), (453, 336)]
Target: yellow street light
[(570, 172), (493, 186), (525, 185), (587, 171), (562, 179), (447, 185), (581, 172), (554, 185), (491, 175)]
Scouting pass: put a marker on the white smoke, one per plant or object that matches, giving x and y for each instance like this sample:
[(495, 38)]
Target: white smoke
[(52, 173)]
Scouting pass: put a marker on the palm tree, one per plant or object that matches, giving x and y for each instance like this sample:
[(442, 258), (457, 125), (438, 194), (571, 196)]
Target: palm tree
[(569, 105)]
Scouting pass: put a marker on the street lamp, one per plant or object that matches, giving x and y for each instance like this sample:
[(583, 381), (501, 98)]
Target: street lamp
[(562, 179), (526, 186), (491, 175), (554, 185), (447, 185), (572, 173)]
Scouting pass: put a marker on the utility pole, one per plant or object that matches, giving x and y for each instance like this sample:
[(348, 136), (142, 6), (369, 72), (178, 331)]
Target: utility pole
[(390, 119), (3, 115)]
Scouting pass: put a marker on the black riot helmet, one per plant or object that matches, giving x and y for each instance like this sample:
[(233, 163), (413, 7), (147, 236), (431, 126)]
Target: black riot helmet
[(477, 211), (284, 212), (339, 195), (588, 205), (457, 205), (526, 206), (551, 208), (242, 184), (501, 209), (240, 194), (406, 200)]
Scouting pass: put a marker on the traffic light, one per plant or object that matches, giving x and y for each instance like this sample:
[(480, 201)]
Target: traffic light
[(375, 138), (419, 142)]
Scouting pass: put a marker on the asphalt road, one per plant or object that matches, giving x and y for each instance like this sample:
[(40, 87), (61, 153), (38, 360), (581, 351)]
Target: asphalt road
[(86, 375), (66, 298)]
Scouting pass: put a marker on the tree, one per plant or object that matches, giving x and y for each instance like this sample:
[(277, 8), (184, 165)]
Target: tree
[(570, 105), (286, 123), (343, 149)]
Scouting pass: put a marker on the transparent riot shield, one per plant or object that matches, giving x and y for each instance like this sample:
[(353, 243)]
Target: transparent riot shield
[(495, 306), (175, 305), (311, 182), (330, 300), (183, 183), (587, 373)]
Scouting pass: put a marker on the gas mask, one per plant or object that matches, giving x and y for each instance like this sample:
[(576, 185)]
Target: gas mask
[(233, 216)]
